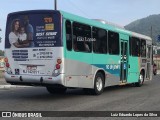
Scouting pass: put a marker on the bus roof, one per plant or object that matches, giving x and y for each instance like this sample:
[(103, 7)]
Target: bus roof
[(105, 25), (91, 22)]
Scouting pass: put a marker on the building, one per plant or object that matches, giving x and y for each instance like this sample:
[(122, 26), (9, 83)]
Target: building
[(2, 63), (156, 59)]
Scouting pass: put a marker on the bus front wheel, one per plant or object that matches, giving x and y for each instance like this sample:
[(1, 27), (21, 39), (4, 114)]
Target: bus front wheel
[(98, 84), (140, 80)]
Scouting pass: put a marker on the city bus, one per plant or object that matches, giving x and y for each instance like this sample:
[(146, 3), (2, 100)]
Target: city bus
[(59, 50)]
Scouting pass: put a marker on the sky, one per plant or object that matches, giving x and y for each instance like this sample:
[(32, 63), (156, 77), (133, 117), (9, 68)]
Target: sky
[(121, 12)]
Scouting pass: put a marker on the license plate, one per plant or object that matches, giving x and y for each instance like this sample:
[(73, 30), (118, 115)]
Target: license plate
[(32, 68)]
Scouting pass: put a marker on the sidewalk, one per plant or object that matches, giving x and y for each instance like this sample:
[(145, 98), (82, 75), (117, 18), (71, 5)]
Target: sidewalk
[(3, 82), (5, 85)]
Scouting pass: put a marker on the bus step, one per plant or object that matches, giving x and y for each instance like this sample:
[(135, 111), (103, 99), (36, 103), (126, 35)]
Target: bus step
[(122, 83)]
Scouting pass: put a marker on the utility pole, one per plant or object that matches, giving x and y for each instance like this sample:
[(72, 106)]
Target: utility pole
[(55, 4), (151, 32)]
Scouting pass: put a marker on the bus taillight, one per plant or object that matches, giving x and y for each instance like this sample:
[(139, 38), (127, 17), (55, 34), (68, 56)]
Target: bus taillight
[(6, 60), (57, 69), (58, 66), (7, 65), (59, 61)]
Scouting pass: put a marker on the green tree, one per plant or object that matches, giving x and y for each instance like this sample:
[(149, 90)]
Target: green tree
[(158, 51), (1, 53)]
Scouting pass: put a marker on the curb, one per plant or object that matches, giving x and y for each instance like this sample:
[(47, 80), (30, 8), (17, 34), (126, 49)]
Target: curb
[(12, 86)]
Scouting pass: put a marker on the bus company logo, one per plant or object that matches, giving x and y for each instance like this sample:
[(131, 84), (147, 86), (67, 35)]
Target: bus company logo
[(6, 114), (113, 66)]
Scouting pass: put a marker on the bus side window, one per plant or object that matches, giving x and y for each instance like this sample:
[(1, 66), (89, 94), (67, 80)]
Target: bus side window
[(68, 35), (143, 48), (130, 46), (113, 43), (100, 40), (135, 46), (75, 43), (81, 37)]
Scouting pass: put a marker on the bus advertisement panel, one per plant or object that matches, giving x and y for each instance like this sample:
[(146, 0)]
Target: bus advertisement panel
[(33, 42)]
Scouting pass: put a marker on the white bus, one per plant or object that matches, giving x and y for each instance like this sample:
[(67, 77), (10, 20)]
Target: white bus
[(60, 50)]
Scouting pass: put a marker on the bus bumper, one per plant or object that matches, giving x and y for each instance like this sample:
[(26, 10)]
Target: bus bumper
[(34, 80)]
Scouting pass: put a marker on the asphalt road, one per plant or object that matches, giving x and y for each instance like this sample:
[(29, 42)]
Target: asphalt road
[(116, 98)]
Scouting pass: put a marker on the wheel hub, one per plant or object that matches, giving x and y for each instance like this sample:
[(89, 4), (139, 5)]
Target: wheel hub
[(99, 84), (141, 78)]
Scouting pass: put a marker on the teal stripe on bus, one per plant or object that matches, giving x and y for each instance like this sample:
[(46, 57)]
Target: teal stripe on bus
[(113, 69)]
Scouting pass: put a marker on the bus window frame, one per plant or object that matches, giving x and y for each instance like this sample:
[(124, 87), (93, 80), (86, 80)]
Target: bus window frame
[(133, 39), (91, 46), (71, 35), (118, 33), (141, 47), (94, 41)]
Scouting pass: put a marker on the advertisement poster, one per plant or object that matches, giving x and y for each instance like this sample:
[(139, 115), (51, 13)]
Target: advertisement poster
[(36, 34), (33, 41), (33, 30)]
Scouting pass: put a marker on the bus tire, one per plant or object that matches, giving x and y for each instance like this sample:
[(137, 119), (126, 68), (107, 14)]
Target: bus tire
[(140, 80), (98, 84), (53, 90), (155, 72)]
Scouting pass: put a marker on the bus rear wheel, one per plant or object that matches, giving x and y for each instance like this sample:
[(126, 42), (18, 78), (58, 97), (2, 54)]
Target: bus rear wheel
[(98, 84), (140, 80), (53, 90)]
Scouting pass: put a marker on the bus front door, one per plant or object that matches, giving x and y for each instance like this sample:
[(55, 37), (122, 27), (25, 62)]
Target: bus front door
[(124, 61)]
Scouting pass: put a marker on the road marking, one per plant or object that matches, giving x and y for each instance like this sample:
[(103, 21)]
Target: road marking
[(12, 86)]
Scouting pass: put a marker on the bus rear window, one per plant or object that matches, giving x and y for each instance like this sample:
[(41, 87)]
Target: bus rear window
[(33, 30)]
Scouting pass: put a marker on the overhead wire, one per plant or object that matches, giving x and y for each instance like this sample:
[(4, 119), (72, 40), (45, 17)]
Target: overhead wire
[(77, 7)]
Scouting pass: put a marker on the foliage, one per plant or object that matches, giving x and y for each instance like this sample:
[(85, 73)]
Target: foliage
[(149, 26), (1, 53)]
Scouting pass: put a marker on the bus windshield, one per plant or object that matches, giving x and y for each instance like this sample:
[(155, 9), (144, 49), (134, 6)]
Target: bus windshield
[(32, 29)]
